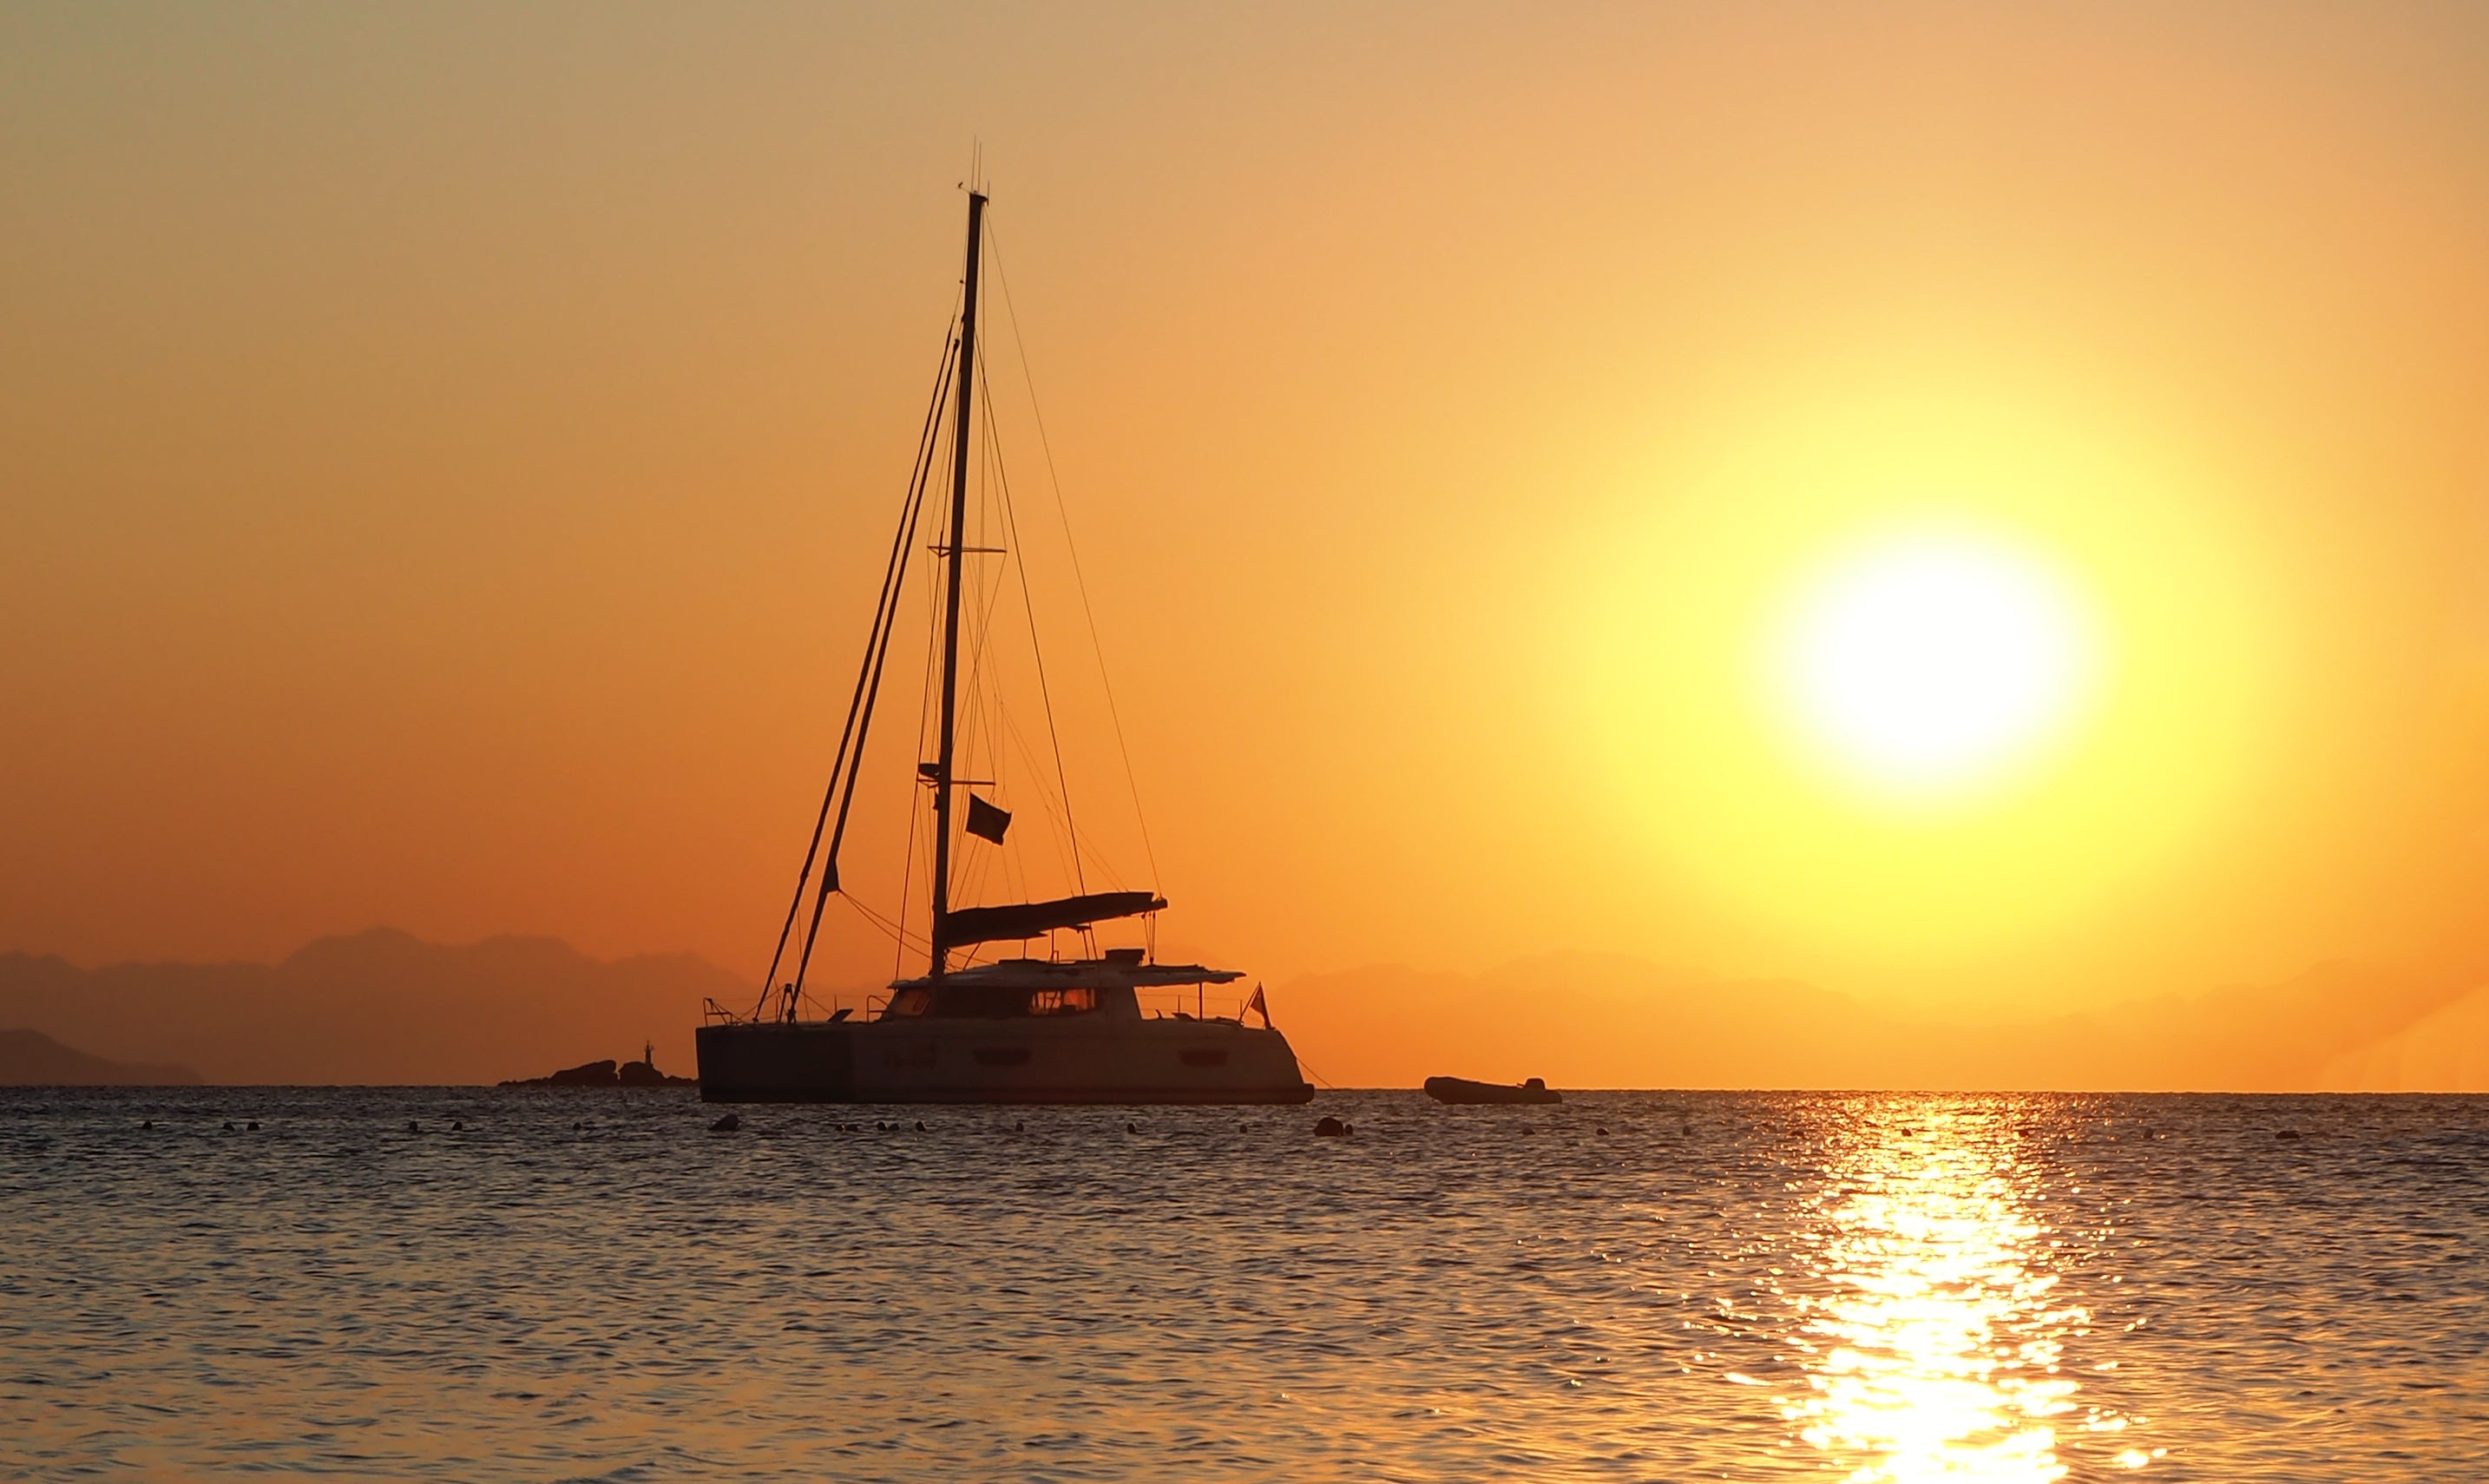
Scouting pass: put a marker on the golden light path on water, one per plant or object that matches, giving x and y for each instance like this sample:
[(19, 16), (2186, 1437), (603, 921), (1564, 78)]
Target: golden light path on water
[(1933, 1336)]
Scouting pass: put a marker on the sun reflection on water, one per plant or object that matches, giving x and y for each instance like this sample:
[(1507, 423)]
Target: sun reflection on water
[(1932, 1338)]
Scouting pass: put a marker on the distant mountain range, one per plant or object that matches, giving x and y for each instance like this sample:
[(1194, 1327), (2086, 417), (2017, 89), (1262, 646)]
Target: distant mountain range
[(1586, 1021), (33, 1059), (382, 1007), (376, 1007)]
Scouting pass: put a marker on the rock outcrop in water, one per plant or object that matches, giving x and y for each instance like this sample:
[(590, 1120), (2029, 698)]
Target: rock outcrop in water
[(606, 1073)]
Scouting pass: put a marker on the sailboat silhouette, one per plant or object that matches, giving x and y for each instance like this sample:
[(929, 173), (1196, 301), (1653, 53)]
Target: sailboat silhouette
[(1025, 1029)]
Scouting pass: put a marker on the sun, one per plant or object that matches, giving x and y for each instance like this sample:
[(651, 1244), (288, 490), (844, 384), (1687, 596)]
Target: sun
[(1932, 662)]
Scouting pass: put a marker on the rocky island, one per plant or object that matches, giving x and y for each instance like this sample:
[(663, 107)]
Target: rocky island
[(643, 1072)]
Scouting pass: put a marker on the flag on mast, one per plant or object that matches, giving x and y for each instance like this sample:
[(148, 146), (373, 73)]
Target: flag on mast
[(1260, 1007), (986, 821)]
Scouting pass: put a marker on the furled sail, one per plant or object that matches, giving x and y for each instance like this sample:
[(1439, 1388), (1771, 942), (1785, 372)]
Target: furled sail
[(1030, 919)]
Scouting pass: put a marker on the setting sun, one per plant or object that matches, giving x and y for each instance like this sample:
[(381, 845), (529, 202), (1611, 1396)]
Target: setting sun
[(1930, 660)]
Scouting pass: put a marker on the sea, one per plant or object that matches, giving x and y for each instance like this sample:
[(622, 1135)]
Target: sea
[(543, 1284)]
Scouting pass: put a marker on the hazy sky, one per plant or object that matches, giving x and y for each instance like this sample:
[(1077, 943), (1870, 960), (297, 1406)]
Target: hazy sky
[(446, 452)]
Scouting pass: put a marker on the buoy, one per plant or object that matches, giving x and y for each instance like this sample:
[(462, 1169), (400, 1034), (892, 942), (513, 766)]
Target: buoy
[(1020, 1126), (458, 1126), (1131, 1128), (412, 1126), (229, 1127), (920, 1126), (1332, 1128), (575, 1126), (149, 1123), (725, 1124), (254, 1126)]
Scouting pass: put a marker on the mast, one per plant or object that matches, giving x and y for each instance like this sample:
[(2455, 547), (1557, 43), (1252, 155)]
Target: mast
[(955, 557)]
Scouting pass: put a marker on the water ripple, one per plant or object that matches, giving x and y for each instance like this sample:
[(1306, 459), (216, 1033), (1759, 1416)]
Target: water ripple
[(594, 1286)]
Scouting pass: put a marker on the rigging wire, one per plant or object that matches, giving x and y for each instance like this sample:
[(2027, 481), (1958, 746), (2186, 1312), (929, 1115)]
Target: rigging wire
[(872, 697), (1028, 605), (1080, 580), (896, 931), (920, 825), (970, 869), (1046, 800), (876, 644)]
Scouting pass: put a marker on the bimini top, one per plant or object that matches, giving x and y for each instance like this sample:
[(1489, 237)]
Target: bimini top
[(1123, 968)]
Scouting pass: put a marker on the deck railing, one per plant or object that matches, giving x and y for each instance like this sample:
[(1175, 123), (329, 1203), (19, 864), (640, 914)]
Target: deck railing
[(1182, 1002), (808, 1006)]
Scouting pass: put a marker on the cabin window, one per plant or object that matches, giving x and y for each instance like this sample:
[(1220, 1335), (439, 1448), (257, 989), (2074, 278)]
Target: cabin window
[(1062, 1002), (908, 1002)]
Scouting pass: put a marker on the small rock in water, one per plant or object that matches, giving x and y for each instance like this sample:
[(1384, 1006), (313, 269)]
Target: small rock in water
[(457, 1125), (1131, 1128), (2285, 1133), (254, 1126), (1333, 1129), (229, 1127), (1022, 1127), (149, 1123), (1603, 1130), (920, 1126), (725, 1124), (412, 1126)]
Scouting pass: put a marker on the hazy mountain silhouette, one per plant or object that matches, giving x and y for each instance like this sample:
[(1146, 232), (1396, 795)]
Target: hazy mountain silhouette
[(1586, 1021), (377, 1006), (33, 1059), (381, 1007), (2446, 1050)]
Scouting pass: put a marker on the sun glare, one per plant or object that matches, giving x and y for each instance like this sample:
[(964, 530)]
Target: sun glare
[(1932, 661)]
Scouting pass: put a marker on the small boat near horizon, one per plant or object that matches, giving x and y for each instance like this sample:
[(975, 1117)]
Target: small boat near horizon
[(1462, 1091), (1030, 1028)]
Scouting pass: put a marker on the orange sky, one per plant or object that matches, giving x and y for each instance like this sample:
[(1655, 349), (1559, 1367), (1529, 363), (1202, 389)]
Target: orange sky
[(446, 456)]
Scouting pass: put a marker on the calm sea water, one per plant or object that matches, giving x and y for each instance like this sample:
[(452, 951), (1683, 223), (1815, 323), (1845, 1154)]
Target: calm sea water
[(1634, 1286)]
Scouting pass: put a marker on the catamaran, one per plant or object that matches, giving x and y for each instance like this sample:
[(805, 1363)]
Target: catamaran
[(1036, 1027)]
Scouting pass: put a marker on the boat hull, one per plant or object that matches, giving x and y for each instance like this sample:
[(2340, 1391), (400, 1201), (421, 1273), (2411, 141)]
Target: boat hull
[(1008, 1061)]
